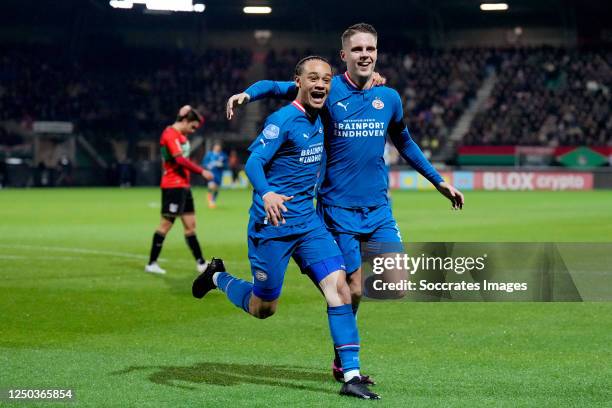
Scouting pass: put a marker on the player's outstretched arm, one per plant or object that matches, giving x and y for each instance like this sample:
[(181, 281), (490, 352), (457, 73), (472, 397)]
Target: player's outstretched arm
[(411, 152), (260, 90), (455, 196)]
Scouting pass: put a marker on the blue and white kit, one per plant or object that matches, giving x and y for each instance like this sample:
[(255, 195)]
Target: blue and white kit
[(286, 159), (352, 196)]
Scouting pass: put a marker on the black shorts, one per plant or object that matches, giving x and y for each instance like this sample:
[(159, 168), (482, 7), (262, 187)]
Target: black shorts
[(176, 202)]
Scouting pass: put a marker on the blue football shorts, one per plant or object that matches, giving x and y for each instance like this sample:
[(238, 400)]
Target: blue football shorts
[(352, 227), (314, 251)]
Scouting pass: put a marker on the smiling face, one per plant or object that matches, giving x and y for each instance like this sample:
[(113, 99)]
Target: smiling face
[(360, 53), (314, 82)]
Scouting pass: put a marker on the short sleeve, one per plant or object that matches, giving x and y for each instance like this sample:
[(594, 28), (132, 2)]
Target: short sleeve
[(170, 140)]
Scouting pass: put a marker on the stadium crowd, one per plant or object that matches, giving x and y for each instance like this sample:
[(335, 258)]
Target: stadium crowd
[(436, 87), (123, 91), (543, 96), (548, 97)]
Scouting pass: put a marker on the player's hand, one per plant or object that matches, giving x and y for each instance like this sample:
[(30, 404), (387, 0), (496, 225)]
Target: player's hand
[(378, 80), (455, 196), (274, 204), (207, 175), (235, 100)]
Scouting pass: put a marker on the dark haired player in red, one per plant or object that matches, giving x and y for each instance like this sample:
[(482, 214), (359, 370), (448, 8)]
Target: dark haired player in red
[(177, 200)]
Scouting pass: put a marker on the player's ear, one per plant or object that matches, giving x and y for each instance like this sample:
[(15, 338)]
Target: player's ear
[(296, 79), (343, 55)]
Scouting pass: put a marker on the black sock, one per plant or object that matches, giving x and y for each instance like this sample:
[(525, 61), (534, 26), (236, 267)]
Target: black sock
[(156, 246), (194, 245)]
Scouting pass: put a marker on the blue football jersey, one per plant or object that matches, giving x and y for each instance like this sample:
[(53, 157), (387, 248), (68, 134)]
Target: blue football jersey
[(289, 149), (356, 124), (355, 144)]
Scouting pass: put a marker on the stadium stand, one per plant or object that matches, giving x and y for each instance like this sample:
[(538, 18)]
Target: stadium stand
[(548, 97), (120, 91), (539, 96)]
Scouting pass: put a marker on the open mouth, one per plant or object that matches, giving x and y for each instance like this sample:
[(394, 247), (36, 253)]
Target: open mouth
[(363, 64), (317, 96)]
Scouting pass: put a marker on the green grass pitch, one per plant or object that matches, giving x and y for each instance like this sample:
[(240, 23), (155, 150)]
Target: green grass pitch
[(77, 310)]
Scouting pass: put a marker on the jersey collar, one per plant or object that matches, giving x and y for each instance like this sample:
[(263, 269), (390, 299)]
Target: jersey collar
[(350, 81), (299, 106), (310, 116)]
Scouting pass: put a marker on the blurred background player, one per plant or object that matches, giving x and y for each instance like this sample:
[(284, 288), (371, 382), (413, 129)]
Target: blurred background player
[(177, 200), (283, 167), (215, 161)]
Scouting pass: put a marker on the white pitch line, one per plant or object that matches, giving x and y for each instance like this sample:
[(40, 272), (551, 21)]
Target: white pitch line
[(48, 258), (94, 252), (75, 250)]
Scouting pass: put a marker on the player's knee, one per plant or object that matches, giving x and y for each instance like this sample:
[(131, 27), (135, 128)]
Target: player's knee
[(335, 289), (190, 228), (165, 226)]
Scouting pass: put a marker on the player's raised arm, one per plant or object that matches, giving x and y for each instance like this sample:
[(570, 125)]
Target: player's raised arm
[(260, 90), (412, 153), (262, 151)]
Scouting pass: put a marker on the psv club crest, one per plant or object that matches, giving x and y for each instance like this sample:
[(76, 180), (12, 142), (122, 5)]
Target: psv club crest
[(378, 104)]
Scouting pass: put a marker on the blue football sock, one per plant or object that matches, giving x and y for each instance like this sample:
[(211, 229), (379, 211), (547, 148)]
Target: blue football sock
[(337, 361), (237, 290), (343, 328)]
